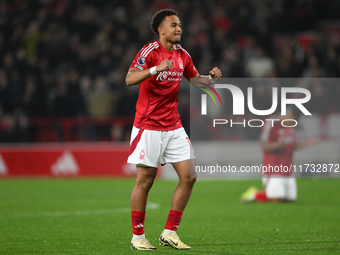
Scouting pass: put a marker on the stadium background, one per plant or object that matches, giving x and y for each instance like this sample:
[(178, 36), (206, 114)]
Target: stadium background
[(64, 62)]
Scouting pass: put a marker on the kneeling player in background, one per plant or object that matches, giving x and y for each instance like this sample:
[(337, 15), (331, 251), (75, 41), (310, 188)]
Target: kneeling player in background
[(278, 145)]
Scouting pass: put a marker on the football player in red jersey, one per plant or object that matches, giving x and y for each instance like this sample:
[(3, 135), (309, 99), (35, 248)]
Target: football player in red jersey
[(278, 145), (157, 135)]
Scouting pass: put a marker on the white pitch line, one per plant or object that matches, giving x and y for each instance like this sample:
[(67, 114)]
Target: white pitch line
[(150, 206)]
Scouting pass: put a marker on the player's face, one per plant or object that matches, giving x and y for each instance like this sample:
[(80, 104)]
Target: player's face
[(171, 29)]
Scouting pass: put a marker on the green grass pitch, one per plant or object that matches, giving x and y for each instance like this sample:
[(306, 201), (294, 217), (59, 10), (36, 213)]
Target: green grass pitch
[(92, 216)]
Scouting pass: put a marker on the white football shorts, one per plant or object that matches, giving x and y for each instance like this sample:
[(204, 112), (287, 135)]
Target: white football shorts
[(280, 187), (152, 147)]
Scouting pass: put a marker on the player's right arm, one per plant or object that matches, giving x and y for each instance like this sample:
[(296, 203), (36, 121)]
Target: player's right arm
[(136, 76), (310, 142)]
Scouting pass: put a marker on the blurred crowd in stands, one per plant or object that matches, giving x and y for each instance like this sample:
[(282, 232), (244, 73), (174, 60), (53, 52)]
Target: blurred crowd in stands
[(63, 58)]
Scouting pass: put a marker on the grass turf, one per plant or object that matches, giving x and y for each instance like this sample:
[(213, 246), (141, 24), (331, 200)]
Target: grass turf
[(92, 216)]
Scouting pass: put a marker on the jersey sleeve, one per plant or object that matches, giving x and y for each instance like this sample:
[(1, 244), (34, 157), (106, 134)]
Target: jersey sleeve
[(142, 60), (190, 70)]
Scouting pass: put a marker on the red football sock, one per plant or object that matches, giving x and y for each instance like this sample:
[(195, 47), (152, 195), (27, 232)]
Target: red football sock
[(260, 196), (173, 220), (137, 219)]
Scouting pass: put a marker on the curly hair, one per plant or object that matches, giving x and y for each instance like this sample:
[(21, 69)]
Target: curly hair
[(159, 17)]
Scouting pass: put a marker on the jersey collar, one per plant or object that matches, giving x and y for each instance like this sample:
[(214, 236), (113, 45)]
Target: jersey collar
[(165, 50)]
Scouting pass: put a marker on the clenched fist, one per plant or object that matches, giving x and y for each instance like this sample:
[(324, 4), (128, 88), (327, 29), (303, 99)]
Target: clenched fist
[(215, 73), (164, 65)]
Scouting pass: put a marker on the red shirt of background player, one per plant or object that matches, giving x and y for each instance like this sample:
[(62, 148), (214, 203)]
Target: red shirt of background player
[(281, 157), (158, 95)]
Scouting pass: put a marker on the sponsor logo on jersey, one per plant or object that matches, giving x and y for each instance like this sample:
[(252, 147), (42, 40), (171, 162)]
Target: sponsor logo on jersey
[(141, 60), (162, 76), (142, 154)]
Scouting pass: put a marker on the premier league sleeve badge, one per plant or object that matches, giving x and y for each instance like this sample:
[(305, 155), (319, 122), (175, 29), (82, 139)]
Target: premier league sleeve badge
[(141, 60)]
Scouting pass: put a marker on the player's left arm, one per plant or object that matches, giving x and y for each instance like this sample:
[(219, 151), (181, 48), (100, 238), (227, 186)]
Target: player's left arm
[(310, 142), (213, 76)]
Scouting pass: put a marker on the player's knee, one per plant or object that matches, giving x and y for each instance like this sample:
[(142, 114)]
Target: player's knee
[(190, 180), (145, 183), (193, 179)]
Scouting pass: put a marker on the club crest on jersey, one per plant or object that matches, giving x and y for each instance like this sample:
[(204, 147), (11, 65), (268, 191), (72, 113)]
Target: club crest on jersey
[(180, 63), (141, 60), (141, 154)]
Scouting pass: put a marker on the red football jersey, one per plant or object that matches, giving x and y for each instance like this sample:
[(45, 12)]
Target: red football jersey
[(158, 95), (278, 161)]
